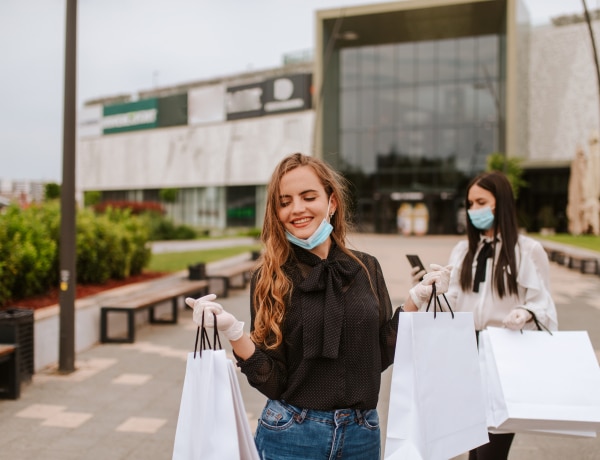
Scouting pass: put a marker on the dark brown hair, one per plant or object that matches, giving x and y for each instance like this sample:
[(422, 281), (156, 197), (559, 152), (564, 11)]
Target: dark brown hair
[(505, 224)]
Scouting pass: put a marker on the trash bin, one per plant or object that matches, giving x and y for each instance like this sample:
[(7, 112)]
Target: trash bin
[(197, 271), (16, 326)]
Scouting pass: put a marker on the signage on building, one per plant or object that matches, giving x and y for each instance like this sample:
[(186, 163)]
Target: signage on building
[(276, 95), (131, 116), (287, 94), (172, 110), (90, 121), (244, 101), (206, 104)]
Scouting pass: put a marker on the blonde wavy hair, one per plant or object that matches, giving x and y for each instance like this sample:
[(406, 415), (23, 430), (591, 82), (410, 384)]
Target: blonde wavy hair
[(272, 286)]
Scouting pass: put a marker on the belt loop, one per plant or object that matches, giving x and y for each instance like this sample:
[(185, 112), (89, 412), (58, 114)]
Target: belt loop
[(359, 417), (299, 418)]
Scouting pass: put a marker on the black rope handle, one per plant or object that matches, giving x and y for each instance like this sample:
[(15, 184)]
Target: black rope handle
[(540, 326), (436, 302), (202, 333)]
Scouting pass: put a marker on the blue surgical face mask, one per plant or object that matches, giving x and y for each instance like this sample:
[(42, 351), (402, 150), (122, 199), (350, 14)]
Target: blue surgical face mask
[(317, 238), (482, 218)]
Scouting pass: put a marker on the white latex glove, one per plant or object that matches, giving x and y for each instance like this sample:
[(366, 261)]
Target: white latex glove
[(226, 322), (516, 319), (416, 274), (439, 275)]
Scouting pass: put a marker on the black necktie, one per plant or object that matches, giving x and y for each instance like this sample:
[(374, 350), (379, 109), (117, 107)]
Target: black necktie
[(487, 250)]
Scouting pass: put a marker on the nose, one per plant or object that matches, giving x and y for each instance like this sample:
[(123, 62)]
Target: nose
[(297, 206)]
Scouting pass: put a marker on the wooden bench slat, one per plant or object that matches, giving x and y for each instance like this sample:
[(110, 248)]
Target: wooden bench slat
[(147, 299), (227, 274)]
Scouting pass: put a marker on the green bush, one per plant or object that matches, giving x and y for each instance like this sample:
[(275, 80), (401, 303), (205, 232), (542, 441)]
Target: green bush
[(111, 245), (162, 228), (28, 252), (91, 197), (96, 245), (159, 226), (133, 242)]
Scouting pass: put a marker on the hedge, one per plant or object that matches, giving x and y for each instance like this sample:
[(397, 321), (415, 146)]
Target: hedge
[(110, 245)]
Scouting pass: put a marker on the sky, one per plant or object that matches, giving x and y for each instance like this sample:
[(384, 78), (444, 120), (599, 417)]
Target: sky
[(124, 46)]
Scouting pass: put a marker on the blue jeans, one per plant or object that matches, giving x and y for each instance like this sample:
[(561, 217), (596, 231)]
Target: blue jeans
[(286, 432)]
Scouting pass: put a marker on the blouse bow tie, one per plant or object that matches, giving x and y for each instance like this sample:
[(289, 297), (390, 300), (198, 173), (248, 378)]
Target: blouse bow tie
[(487, 251), (322, 306)]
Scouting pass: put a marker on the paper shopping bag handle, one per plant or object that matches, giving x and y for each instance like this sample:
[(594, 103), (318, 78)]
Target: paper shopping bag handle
[(436, 302), (540, 326), (205, 341)]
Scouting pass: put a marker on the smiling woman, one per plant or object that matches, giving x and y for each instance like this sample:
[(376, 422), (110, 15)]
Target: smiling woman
[(305, 210), (322, 325)]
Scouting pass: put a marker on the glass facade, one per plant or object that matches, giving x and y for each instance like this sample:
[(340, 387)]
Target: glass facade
[(416, 122)]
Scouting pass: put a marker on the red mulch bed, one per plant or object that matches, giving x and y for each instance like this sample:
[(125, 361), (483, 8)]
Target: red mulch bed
[(82, 290)]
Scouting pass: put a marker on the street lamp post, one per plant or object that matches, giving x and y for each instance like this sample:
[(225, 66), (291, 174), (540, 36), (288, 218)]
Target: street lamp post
[(68, 277)]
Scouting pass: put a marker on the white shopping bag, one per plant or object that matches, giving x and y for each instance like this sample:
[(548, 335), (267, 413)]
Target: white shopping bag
[(212, 423), (540, 382), (245, 438), (206, 427), (436, 407)]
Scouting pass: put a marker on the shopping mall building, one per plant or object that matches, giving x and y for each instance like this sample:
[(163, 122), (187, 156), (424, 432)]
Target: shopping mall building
[(407, 99)]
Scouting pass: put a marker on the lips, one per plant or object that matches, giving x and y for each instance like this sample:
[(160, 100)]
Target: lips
[(302, 222)]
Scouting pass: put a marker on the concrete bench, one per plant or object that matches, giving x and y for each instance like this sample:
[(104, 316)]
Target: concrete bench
[(233, 276), (584, 264), (147, 299), (10, 378), (575, 258)]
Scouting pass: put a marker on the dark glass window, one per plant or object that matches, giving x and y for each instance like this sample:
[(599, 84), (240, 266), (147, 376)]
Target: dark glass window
[(386, 61), (241, 206), (417, 117), (405, 63)]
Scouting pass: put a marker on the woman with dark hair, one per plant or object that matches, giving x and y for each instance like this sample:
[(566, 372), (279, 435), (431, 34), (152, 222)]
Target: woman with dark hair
[(323, 329), (499, 275)]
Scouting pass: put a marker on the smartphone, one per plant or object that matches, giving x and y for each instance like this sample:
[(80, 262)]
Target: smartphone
[(415, 261)]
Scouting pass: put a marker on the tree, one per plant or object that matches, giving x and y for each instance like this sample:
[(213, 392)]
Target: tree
[(51, 191), (168, 195), (91, 197), (511, 167)]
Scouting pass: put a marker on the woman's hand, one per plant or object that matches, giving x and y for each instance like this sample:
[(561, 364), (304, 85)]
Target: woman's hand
[(517, 318), (226, 322), (439, 275), (416, 275)]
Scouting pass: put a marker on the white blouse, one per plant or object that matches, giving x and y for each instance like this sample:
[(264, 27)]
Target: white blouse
[(532, 282)]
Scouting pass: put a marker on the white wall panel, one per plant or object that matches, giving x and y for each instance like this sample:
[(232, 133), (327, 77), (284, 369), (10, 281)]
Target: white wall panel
[(241, 152), (563, 92)]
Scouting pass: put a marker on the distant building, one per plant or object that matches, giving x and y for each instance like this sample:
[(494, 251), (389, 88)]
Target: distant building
[(406, 98), (22, 192)]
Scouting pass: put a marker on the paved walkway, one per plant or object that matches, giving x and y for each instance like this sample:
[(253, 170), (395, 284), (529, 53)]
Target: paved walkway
[(122, 402)]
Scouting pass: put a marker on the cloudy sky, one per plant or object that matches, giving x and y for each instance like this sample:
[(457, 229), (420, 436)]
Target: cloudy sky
[(129, 45)]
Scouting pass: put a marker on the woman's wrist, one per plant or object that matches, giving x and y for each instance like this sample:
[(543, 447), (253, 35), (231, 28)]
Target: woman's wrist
[(409, 305)]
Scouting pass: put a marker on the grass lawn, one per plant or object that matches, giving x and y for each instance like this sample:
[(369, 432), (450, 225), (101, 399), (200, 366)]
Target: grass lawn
[(176, 261), (581, 241)]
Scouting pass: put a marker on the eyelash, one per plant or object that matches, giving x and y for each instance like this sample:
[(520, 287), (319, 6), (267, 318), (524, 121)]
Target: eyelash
[(469, 204), (283, 204)]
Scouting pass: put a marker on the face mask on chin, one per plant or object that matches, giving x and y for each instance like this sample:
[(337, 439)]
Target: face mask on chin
[(482, 218), (319, 236)]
